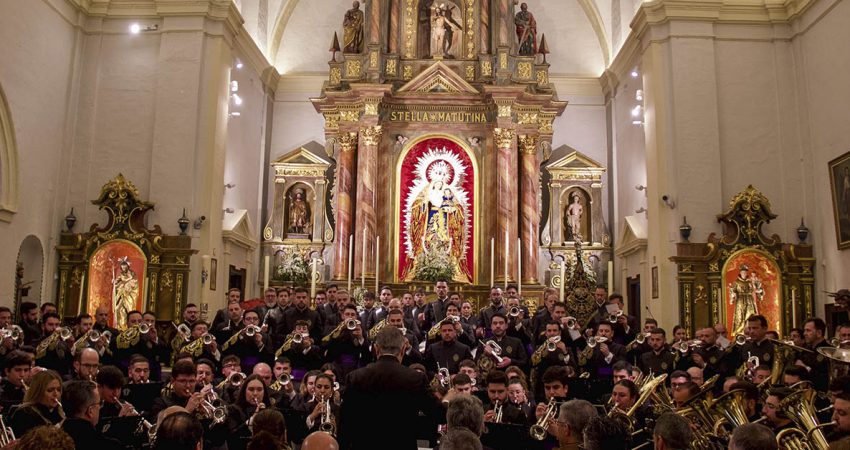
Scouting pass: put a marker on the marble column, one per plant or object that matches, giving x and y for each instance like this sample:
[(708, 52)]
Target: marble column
[(484, 29), (344, 206), (506, 203), (367, 199), (529, 211), (375, 22), (392, 39), (505, 20)]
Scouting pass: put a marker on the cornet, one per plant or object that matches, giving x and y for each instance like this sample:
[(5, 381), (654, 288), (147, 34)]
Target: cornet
[(252, 330), (552, 343), (497, 350), (572, 323), (538, 430), (514, 311), (351, 324), (236, 378)]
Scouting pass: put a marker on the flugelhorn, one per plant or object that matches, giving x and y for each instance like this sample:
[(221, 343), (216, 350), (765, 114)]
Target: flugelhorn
[(539, 429), (514, 311), (183, 330), (351, 324), (144, 328), (496, 349)]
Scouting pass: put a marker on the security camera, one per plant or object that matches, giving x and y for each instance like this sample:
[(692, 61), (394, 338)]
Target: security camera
[(199, 222), (670, 203)]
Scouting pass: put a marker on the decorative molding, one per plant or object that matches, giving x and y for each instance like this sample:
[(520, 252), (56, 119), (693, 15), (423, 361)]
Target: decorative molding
[(371, 135), (8, 162), (347, 141), (504, 137), (527, 144)]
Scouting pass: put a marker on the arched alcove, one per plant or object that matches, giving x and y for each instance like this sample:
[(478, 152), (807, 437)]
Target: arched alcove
[(29, 271), (8, 162)]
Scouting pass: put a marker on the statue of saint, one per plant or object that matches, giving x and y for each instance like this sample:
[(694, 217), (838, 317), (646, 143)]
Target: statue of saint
[(442, 33), (743, 294), (125, 289), (574, 213), (299, 215), (526, 31), (352, 36)]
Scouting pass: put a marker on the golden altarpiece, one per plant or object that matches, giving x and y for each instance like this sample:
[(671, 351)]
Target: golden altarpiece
[(123, 265), (438, 128), (744, 272)]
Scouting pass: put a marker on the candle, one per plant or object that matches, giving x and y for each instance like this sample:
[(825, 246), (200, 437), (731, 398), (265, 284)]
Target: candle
[(82, 285), (377, 260), (145, 292), (507, 257), (563, 281), (363, 262), (492, 262), (519, 267), (350, 260), (313, 279), (265, 274), (793, 307), (610, 276)]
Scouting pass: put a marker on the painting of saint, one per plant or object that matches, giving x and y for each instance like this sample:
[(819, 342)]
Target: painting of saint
[(116, 274), (436, 220), (839, 175), (752, 282)]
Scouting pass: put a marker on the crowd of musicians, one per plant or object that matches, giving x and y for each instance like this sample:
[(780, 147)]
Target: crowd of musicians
[(539, 380)]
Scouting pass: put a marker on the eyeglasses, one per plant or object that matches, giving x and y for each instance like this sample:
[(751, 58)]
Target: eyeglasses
[(90, 366)]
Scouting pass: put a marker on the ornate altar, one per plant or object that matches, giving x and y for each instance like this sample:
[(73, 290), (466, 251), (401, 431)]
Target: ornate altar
[(300, 225), (744, 272), (123, 265), (436, 118), (572, 212)]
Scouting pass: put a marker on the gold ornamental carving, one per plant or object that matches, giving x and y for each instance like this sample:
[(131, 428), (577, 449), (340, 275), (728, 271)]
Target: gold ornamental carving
[(352, 68), (392, 67), (409, 17), (504, 110), (370, 109), (542, 78), (351, 115), (504, 137), (373, 60), (748, 211), (544, 123), (408, 72), (526, 118), (331, 121), (371, 135), (470, 73), (486, 68), (527, 144), (523, 69), (347, 141), (503, 60), (470, 29), (336, 75)]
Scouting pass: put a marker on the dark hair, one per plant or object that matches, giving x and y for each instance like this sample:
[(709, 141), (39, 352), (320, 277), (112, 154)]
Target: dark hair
[(349, 306), (149, 313), (241, 397), (630, 385), (468, 363), (78, 395), (751, 391), (461, 379), (779, 392), (497, 377), (130, 313), (753, 436), (675, 430), (622, 365), (190, 305), (499, 315), (83, 316), (659, 330), (758, 318), (45, 437), (282, 360), (206, 362), (511, 286), (179, 431), (820, 325), (691, 387), (137, 358), (556, 373), (198, 323), (263, 440), (229, 359), (51, 315), (559, 303), (5, 309), (45, 305), (26, 307), (111, 377), (301, 289), (839, 384), (652, 321), (680, 374), (797, 371), (615, 295), (16, 358), (605, 433), (800, 330), (368, 295), (183, 368)]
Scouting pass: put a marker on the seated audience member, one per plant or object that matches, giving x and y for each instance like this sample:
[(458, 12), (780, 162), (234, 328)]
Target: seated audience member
[(753, 436), (268, 429), (460, 439), (573, 417), (605, 433), (320, 440), (179, 431), (465, 411), (81, 403), (672, 432), (45, 438)]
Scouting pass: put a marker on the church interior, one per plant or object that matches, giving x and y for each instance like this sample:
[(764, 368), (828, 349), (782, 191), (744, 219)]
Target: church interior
[(690, 155)]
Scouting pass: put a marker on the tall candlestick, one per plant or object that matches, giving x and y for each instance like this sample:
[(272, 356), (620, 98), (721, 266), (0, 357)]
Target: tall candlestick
[(313, 280), (610, 277), (350, 260), (82, 286), (377, 260), (363, 262), (492, 262), (507, 257), (793, 307), (563, 282), (519, 267), (265, 274)]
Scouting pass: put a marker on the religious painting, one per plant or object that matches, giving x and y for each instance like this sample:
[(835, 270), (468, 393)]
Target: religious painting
[(299, 216), (439, 33), (654, 285), (437, 210), (839, 181), (576, 215), (752, 282), (116, 280)]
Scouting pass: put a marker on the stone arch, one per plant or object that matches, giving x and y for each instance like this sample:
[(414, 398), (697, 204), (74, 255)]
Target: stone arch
[(29, 271), (8, 162)]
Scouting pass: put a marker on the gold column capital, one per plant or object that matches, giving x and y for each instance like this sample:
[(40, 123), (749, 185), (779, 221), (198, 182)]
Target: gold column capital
[(527, 144), (347, 141), (504, 137), (371, 135)]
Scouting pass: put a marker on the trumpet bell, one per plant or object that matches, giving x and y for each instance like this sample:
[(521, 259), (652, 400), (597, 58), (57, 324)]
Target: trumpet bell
[(94, 335), (144, 328), (297, 338), (351, 324), (514, 311), (640, 338), (65, 333), (538, 432), (572, 323), (741, 339), (284, 379), (208, 338), (236, 379)]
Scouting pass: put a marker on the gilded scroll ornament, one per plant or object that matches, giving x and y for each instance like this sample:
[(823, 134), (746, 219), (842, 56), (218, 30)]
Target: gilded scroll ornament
[(352, 68), (370, 109), (331, 121), (542, 78), (336, 75), (392, 67), (504, 110), (504, 137), (470, 73), (408, 72), (351, 115), (373, 60), (523, 70), (748, 211), (544, 124), (526, 118), (371, 135), (486, 68)]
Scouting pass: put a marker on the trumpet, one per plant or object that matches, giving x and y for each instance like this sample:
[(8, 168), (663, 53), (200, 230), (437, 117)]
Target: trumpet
[(641, 338), (496, 349), (144, 423), (236, 378), (838, 343), (327, 423), (538, 430), (498, 410), (7, 435), (351, 324), (614, 316), (514, 311), (593, 341), (552, 343), (94, 336), (742, 339), (251, 330), (15, 332), (281, 381), (572, 323), (207, 338)]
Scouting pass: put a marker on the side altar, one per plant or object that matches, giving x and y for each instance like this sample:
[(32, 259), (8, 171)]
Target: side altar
[(438, 134)]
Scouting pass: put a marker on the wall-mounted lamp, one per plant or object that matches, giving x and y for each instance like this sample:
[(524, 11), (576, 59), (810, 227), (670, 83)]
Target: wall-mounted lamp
[(136, 28), (685, 230), (802, 231)]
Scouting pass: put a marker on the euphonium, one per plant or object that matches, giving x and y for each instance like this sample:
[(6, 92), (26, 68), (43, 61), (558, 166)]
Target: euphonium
[(731, 406), (799, 407), (538, 430)]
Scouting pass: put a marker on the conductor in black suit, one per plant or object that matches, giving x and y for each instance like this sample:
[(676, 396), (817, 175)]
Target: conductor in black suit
[(385, 394)]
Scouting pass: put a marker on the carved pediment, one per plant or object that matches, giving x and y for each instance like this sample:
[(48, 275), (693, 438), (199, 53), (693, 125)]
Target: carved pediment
[(575, 166), (632, 236), (302, 161), (748, 211), (237, 227), (438, 78)]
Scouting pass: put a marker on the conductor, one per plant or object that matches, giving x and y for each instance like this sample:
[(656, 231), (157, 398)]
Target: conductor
[(393, 394)]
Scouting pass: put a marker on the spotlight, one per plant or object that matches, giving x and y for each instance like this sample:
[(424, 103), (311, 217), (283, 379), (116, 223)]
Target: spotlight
[(237, 100), (635, 73), (239, 65), (135, 28), (639, 95), (234, 86)]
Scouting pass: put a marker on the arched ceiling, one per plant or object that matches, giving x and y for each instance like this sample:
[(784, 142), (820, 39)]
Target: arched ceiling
[(577, 31)]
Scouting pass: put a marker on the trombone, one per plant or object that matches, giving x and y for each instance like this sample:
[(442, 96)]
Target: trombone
[(539, 429)]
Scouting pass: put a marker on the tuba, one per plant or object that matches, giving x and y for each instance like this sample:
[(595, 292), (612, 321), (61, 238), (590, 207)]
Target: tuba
[(799, 407), (839, 361), (732, 410)]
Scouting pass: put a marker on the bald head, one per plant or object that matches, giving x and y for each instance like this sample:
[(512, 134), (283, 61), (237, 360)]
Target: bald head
[(169, 411), (265, 372), (394, 304), (320, 440)]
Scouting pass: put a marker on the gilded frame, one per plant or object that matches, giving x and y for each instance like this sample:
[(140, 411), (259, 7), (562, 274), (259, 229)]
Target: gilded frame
[(778, 323), (842, 231), (396, 209)]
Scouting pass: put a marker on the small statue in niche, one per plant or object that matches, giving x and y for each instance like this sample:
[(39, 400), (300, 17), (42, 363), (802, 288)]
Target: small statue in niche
[(574, 213), (526, 31), (299, 213), (442, 30), (352, 37)]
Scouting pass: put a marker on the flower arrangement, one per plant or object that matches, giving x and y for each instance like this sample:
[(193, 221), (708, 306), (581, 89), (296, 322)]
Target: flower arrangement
[(292, 268), (434, 264)]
